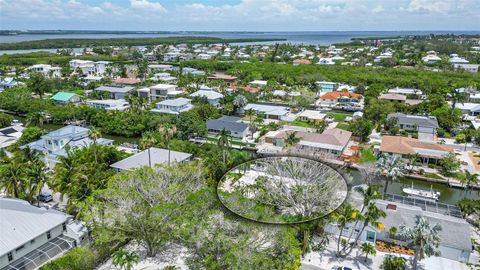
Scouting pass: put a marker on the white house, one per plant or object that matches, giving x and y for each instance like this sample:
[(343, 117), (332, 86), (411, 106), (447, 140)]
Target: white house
[(473, 68), (159, 91), (83, 67), (270, 111), (212, 96), (109, 104), (173, 106), (234, 125), (116, 92), (165, 77), (30, 236), (258, 83), (7, 83), (46, 70), (431, 58), (326, 61), (10, 135)]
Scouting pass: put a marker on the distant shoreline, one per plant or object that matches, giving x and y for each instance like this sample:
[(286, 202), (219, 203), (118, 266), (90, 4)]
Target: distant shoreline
[(92, 42)]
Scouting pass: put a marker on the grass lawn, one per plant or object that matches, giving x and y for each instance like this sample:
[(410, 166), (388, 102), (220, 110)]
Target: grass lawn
[(339, 117), (300, 123), (366, 155), (342, 126)]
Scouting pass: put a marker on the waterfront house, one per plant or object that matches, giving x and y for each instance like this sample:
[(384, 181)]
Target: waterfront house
[(332, 141), (311, 115), (63, 98), (237, 128), (404, 147), (151, 157), (31, 236), (173, 106), (46, 70), (159, 91), (116, 92), (325, 87), (212, 96), (341, 100), (54, 144)]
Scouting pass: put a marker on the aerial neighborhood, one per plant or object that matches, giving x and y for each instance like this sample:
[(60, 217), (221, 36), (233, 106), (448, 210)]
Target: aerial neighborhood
[(111, 155)]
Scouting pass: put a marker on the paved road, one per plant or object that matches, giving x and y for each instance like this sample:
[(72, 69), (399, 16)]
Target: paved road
[(310, 267)]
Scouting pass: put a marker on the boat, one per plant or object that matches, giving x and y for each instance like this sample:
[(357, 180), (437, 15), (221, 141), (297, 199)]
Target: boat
[(16, 122), (422, 194)]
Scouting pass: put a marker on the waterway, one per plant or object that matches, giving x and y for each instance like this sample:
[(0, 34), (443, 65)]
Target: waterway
[(305, 37)]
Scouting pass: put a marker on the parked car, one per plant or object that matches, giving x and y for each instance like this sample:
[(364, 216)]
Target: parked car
[(45, 197), (341, 268)]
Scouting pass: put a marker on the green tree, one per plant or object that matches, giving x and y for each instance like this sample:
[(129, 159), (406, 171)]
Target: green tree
[(449, 164), (166, 133), (392, 167), (391, 262), (94, 134), (39, 84), (124, 259), (469, 179), (368, 249), (361, 128), (291, 139), (423, 238), (224, 142)]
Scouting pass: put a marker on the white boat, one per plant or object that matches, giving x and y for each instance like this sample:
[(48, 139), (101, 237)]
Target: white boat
[(422, 194)]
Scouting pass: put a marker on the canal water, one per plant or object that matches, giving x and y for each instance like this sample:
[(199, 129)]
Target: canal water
[(448, 195)]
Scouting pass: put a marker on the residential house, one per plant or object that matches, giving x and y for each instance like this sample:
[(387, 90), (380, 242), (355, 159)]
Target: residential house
[(426, 126), (431, 58), (10, 135), (332, 141), (192, 71), (244, 88), (403, 147), (109, 104), (298, 62), (234, 125), (82, 67), (172, 56), (473, 68), (228, 79), (341, 100), (472, 109), (53, 144), (173, 106), (46, 70), (393, 97), (7, 83), (159, 91), (455, 59), (409, 92), (326, 61), (311, 115), (116, 92), (156, 67), (276, 112), (63, 98), (32, 236), (151, 157), (164, 77), (455, 236), (212, 96)]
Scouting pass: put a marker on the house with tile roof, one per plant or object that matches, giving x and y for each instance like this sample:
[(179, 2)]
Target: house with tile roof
[(404, 147), (340, 100)]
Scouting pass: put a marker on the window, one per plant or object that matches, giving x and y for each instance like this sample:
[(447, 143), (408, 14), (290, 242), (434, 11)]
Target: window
[(32, 241), (370, 236), (10, 256), (64, 226), (19, 248), (48, 235)]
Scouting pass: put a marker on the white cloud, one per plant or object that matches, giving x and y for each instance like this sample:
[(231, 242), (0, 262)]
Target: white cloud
[(146, 5)]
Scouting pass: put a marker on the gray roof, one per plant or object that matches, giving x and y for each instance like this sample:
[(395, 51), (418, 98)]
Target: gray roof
[(175, 102), (420, 121), (21, 222), (268, 109), (455, 232), (228, 123), (115, 89), (157, 155)]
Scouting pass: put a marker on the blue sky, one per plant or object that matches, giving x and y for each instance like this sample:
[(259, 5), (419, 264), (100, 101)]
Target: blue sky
[(241, 15)]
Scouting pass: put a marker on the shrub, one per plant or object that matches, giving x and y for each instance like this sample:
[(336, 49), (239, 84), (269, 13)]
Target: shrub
[(79, 258)]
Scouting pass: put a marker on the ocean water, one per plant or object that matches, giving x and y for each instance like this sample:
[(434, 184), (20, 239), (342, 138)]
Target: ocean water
[(310, 38)]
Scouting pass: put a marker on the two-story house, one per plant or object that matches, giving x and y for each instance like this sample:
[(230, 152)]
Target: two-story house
[(54, 144), (159, 91), (426, 126), (212, 96), (116, 92), (173, 106)]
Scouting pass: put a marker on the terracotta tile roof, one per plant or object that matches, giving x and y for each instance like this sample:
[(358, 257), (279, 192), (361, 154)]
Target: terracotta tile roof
[(245, 88), (126, 81), (405, 146), (302, 61), (336, 95)]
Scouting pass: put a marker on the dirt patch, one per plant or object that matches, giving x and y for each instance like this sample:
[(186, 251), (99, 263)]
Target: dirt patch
[(393, 248)]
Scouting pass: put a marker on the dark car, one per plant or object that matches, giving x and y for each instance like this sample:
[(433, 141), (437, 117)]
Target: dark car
[(45, 197)]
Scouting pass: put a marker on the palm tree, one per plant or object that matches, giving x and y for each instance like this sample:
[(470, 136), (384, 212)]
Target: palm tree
[(291, 139), (146, 142), (36, 119), (392, 167), (470, 179), (94, 134), (11, 178), (423, 238), (224, 141), (320, 126), (368, 249), (166, 133), (346, 215), (124, 259), (62, 180), (239, 101)]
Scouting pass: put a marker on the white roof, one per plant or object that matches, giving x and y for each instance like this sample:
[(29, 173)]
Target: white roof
[(468, 106), (311, 114), (268, 109), (21, 222), (175, 102), (162, 86), (209, 94), (259, 82)]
